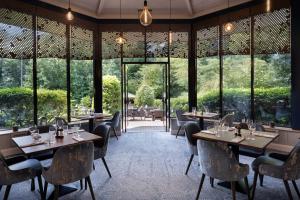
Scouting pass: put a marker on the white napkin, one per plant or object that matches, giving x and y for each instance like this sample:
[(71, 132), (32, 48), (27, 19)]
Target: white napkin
[(208, 132), (263, 135), (237, 139), (79, 139)]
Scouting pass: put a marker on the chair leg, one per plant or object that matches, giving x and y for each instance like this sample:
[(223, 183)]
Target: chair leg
[(45, 189), (56, 192), (200, 186), (211, 181), (188, 167), (106, 167), (288, 190), (40, 186), (115, 133), (247, 187), (7, 190), (91, 187), (296, 188), (81, 184), (178, 131), (261, 180), (32, 184), (93, 166), (85, 184), (254, 184), (0, 187), (233, 190)]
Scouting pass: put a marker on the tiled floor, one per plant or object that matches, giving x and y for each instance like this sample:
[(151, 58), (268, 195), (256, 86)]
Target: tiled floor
[(151, 165)]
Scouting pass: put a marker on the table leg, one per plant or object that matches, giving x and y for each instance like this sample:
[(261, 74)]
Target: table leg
[(91, 125), (201, 123), (63, 190)]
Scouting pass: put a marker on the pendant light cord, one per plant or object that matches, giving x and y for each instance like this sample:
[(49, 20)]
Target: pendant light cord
[(69, 3), (170, 14)]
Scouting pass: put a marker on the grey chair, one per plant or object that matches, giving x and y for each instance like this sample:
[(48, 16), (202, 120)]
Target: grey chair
[(19, 172), (181, 120), (216, 160), (70, 164), (288, 170), (101, 145), (227, 120), (114, 122)]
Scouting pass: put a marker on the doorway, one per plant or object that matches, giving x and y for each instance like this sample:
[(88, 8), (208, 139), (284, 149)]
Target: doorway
[(145, 96)]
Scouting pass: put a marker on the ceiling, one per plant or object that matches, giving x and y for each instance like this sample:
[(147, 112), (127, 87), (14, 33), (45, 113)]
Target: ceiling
[(181, 9)]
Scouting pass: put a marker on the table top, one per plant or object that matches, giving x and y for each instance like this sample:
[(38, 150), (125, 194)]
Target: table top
[(203, 115), (26, 143), (260, 142), (95, 116)]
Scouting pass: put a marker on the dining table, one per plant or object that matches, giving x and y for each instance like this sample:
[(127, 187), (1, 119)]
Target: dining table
[(258, 140), (29, 146), (92, 117), (201, 116)]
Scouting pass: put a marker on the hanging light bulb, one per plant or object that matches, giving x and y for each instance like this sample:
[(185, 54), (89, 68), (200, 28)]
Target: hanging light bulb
[(70, 15), (145, 16), (120, 40), (170, 37), (268, 6), (170, 30), (228, 27)]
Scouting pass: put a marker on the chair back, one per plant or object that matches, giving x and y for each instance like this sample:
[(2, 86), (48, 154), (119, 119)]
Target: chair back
[(192, 128), (244, 126), (59, 121), (116, 119), (101, 145), (218, 161), (292, 164), (227, 120), (43, 121), (259, 127), (70, 164)]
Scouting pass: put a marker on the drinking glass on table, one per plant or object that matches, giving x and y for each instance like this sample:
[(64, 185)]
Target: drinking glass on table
[(252, 129), (52, 132), (66, 129), (217, 129), (34, 131), (76, 129), (194, 110)]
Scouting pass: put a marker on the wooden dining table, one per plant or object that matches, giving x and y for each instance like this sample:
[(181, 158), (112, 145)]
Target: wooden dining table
[(260, 142), (92, 118), (29, 147), (201, 116)]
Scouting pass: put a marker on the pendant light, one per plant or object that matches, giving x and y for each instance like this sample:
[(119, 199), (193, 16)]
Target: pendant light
[(70, 15), (228, 26), (170, 30), (268, 6), (145, 16), (120, 40)]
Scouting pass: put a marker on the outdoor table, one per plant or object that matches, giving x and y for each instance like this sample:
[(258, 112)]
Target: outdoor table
[(28, 146), (201, 116), (262, 140), (93, 117)]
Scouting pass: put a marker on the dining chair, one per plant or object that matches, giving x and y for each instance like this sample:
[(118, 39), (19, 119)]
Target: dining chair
[(181, 120), (19, 172), (60, 121), (288, 170), (227, 120), (217, 161), (43, 121), (70, 164), (114, 122)]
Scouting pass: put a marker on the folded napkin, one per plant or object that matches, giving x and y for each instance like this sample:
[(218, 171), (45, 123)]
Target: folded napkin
[(208, 132), (261, 134), (71, 131), (33, 144), (237, 139), (79, 139)]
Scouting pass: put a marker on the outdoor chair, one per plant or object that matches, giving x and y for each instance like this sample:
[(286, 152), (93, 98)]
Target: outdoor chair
[(114, 122)]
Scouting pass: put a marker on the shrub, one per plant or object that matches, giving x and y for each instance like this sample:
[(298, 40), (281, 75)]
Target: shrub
[(179, 103), (144, 96), (158, 103), (111, 94)]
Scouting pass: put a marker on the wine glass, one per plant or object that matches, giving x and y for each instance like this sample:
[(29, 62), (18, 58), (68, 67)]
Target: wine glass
[(217, 129), (252, 129), (194, 110), (76, 128)]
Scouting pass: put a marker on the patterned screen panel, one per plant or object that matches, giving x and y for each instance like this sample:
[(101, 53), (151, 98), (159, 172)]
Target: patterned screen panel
[(272, 32), (208, 42), (81, 43), (110, 49), (179, 46), (237, 41), (157, 44), (135, 45), (16, 35), (51, 38)]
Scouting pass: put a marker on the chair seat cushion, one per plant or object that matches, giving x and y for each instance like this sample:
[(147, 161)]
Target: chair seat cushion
[(27, 164), (250, 152), (43, 155), (265, 160)]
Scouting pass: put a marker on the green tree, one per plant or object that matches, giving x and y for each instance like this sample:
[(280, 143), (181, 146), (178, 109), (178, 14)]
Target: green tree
[(144, 96), (111, 94)]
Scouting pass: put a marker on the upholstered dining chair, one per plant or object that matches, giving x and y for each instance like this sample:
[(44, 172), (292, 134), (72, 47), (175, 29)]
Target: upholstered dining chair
[(217, 161), (19, 172), (101, 145), (227, 120), (70, 164), (288, 170), (114, 122), (181, 120)]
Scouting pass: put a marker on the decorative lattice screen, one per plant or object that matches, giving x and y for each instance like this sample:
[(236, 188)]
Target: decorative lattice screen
[(157, 44), (110, 49), (16, 35), (135, 45), (237, 41), (179, 47), (81, 43), (272, 32), (51, 38), (208, 42)]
